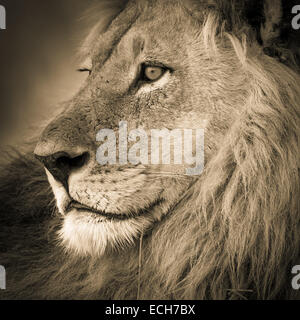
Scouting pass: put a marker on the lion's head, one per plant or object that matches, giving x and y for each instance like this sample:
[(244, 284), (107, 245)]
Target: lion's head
[(186, 65)]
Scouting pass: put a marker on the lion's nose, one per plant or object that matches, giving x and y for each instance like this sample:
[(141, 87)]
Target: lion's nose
[(64, 146), (61, 164)]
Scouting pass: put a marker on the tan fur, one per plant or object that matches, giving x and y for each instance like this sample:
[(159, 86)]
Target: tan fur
[(231, 233)]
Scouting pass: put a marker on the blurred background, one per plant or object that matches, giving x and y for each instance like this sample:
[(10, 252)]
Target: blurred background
[(37, 61)]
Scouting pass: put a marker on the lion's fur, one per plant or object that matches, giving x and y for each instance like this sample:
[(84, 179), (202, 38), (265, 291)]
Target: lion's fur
[(235, 234)]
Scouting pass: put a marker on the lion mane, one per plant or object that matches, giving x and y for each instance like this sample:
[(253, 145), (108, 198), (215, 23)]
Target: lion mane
[(234, 235)]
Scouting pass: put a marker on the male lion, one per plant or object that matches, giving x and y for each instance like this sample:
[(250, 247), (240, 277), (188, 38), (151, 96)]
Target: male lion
[(149, 231)]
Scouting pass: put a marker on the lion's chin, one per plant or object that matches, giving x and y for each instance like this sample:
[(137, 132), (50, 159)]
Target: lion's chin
[(86, 233)]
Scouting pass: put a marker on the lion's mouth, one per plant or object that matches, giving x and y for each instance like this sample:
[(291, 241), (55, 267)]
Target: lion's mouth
[(110, 216), (83, 208)]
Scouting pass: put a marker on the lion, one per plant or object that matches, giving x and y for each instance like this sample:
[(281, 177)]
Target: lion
[(74, 229)]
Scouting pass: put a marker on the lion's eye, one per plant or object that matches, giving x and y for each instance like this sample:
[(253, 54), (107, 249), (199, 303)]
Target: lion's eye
[(151, 73), (85, 70), (86, 66)]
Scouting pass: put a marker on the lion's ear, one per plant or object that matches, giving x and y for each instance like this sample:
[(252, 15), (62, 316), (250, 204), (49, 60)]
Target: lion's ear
[(272, 21), (276, 32), (270, 30)]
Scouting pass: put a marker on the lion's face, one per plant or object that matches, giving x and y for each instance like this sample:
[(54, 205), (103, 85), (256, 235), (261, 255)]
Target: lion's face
[(149, 68)]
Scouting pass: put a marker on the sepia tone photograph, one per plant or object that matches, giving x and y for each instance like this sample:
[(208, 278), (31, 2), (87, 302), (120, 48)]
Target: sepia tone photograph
[(149, 150)]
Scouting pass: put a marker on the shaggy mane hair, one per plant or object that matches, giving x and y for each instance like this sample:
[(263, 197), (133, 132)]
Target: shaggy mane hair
[(234, 235)]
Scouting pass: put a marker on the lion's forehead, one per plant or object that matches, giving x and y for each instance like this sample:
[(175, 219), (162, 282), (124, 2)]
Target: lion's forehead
[(140, 18)]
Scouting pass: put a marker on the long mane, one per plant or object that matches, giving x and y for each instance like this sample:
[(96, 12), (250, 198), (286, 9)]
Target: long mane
[(235, 234)]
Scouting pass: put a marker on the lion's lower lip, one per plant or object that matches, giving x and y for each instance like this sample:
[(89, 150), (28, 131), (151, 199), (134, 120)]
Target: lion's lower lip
[(111, 216), (83, 208)]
